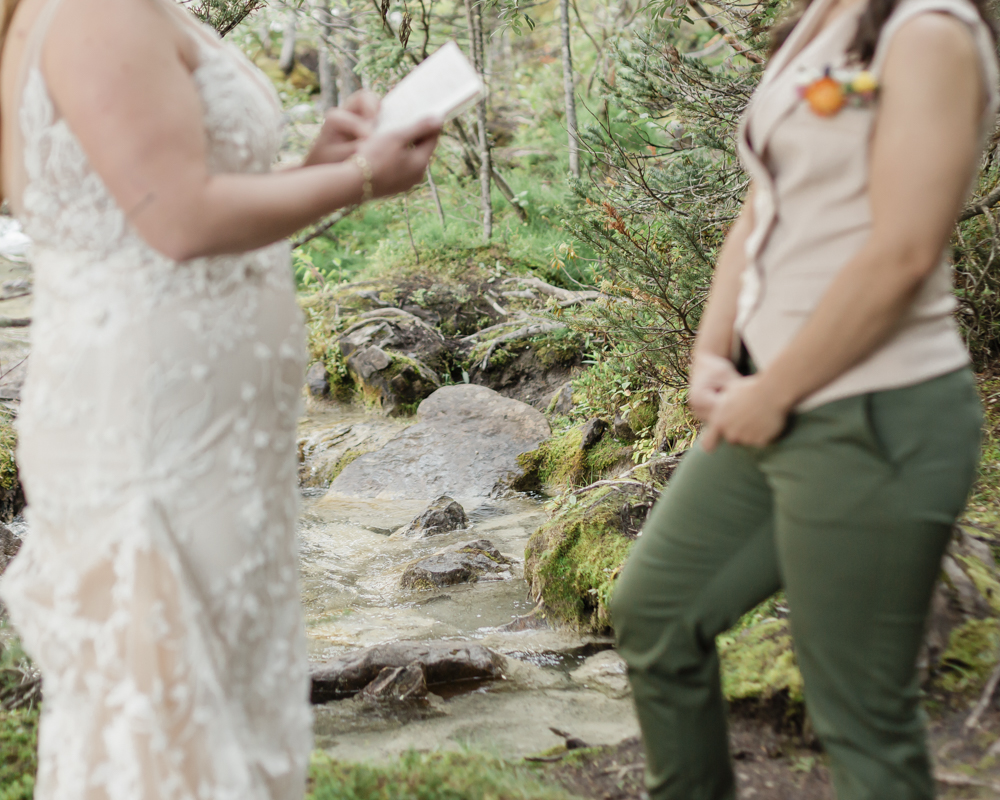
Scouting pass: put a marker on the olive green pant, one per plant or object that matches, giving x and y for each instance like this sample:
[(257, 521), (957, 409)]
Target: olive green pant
[(849, 512)]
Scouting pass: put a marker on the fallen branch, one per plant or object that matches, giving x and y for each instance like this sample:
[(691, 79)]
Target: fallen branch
[(566, 297), (728, 35), (957, 779), (521, 333), (984, 699), (25, 693), (582, 297), (517, 320), (502, 185), (322, 227), (981, 206), (610, 482)]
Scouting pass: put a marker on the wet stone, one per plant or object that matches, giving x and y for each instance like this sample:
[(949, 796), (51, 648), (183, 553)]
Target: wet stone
[(317, 381), (442, 516), (397, 685), (592, 433), (463, 563), (442, 662), (9, 546), (605, 672)]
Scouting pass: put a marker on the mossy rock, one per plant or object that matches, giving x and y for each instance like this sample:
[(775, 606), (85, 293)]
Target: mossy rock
[(758, 664), (571, 561), (676, 428), (11, 493), (971, 655), (607, 454), (559, 462)]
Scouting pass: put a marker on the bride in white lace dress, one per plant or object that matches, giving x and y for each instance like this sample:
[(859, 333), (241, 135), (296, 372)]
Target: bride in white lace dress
[(157, 588)]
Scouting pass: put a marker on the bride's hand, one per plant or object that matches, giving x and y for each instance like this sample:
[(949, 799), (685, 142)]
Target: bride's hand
[(399, 160), (344, 128)]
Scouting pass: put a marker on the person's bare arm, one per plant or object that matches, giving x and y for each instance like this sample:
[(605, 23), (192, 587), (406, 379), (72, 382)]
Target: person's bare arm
[(924, 154), (711, 366), (119, 72)]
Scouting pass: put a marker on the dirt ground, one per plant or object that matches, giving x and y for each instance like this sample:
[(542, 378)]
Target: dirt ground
[(775, 765)]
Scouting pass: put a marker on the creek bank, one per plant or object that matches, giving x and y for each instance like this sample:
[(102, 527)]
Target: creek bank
[(393, 342)]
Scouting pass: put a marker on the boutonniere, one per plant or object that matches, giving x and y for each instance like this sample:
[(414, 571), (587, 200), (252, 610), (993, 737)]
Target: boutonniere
[(829, 90)]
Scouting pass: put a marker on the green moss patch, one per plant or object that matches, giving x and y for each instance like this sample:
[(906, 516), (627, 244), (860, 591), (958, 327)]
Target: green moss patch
[(558, 462), (758, 663), (572, 560), (8, 445), (970, 656), (431, 776)]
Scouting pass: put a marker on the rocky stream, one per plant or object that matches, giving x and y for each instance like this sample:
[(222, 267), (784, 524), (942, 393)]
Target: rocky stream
[(417, 610)]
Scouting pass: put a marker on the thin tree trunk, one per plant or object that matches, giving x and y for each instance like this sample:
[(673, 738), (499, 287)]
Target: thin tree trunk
[(286, 62), (327, 66), (434, 194), (349, 80), (471, 157), (474, 13), (569, 89)]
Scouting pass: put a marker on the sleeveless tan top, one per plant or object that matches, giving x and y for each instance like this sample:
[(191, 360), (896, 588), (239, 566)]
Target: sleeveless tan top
[(812, 212)]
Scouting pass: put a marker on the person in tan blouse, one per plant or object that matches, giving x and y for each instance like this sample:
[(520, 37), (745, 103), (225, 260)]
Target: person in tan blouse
[(841, 419)]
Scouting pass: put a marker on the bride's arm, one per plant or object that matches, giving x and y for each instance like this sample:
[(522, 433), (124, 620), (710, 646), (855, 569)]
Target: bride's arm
[(119, 73)]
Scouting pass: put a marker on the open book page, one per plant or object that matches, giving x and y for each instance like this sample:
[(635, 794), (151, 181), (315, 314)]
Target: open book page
[(443, 85)]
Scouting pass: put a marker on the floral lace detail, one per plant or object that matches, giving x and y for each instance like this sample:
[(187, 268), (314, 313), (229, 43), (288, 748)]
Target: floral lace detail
[(157, 588)]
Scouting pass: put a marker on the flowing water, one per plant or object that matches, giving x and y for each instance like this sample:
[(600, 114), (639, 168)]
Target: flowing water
[(351, 565)]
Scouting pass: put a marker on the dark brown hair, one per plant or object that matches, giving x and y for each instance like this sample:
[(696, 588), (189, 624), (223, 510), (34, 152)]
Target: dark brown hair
[(876, 12)]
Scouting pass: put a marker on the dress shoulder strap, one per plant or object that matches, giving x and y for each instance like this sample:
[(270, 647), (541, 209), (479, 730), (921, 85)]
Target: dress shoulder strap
[(30, 65)]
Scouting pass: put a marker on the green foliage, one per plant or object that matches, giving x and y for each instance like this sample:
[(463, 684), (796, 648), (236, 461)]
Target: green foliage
[(18, 761), (223, 15), (431, 776), (18, 728), (984, 504), (670, 188)]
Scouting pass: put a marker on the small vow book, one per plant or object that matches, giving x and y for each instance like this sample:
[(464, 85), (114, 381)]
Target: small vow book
[(443, 85)]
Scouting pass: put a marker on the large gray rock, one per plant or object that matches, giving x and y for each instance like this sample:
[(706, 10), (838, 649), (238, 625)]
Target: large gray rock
[(325, 450), (442, 663), (442, 516), (465, 444), (462, 563)]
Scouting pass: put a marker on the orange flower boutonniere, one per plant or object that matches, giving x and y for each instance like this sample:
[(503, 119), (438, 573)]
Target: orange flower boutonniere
[(829, 90)]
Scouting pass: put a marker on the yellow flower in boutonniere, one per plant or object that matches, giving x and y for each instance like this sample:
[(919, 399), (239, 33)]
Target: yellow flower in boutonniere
[(827, 91), (864, 83)]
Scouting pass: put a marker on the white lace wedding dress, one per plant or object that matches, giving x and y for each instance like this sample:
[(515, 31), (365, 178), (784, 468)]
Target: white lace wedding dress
[(157, 586)]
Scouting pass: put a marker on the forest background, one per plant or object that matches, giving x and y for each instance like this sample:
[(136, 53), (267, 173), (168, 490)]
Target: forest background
[(572, 221)]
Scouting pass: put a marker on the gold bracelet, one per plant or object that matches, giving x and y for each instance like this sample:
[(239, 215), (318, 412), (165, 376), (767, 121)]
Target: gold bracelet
[(367, 190)]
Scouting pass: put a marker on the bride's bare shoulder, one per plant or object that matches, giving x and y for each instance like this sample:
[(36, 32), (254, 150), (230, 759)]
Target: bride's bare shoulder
[(108, 34)]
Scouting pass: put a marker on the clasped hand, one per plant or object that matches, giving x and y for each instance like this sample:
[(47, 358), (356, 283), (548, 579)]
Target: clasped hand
[(739, 409)]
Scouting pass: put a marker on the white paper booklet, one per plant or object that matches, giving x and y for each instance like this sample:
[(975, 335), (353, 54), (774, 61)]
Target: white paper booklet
[(443, 85)]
